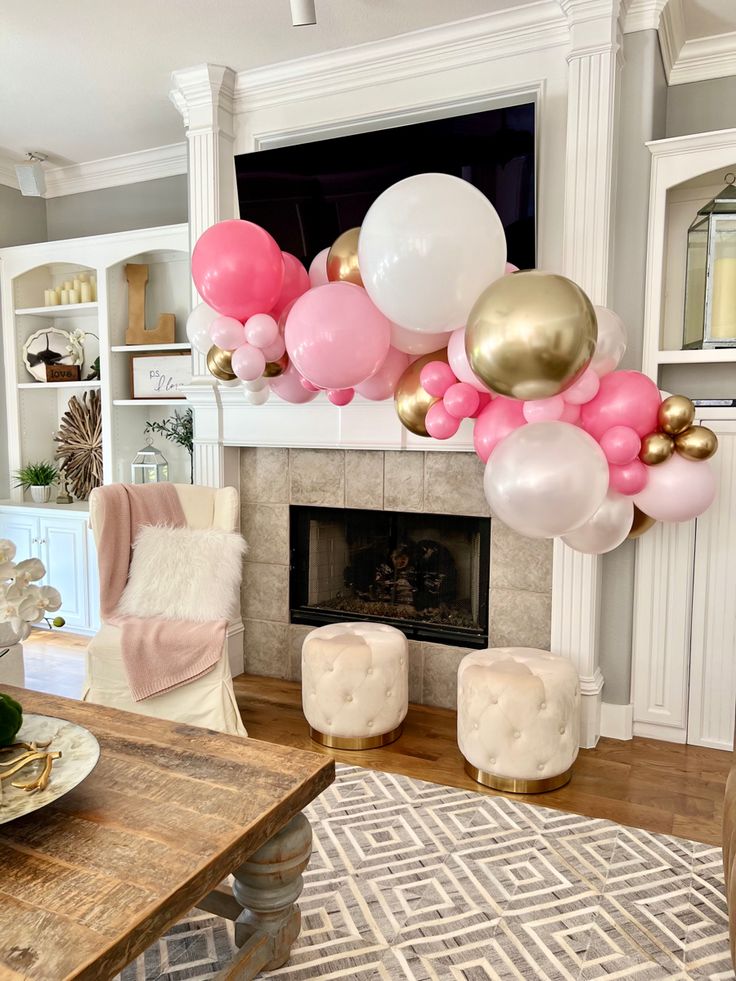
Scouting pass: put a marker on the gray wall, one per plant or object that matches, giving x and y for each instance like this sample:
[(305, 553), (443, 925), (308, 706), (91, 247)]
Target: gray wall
[(700, 107)]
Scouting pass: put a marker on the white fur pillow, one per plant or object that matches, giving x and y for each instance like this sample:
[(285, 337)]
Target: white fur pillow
[(184, 574)]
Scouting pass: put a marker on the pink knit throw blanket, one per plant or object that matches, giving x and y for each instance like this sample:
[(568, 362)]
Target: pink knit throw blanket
[(157, 654)]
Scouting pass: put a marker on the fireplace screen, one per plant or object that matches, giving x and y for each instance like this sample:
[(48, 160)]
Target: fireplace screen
[(424, 573)]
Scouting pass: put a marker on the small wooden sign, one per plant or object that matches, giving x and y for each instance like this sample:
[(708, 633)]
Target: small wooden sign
[(63, 373), (159, 375)]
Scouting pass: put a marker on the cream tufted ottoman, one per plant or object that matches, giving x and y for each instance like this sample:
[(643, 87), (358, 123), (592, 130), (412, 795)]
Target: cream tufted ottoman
[(355, 684), (518, 718)]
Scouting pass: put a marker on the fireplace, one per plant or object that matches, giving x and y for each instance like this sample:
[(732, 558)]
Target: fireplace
[(427, 574)]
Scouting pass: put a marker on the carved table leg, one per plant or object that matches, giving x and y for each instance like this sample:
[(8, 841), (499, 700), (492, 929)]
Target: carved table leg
[(267, 886)]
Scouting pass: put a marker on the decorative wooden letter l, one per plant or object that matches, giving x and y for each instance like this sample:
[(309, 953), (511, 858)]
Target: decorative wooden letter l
[(165, 330)]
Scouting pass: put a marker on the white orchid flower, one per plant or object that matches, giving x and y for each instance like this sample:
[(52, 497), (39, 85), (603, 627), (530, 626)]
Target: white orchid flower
[(7, 550), (30, 569), (7, 571), (50, 597)]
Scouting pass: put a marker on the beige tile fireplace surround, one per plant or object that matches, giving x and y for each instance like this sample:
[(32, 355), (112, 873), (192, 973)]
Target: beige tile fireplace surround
[(436, 483)]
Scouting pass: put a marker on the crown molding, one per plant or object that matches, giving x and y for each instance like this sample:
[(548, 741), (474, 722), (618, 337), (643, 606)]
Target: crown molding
[(7, 172), (703, 58), (200, 90), (693, 143), (671, 35), (643, 15)]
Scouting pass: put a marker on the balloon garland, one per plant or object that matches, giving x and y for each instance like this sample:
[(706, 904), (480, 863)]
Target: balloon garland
[(420, 305)]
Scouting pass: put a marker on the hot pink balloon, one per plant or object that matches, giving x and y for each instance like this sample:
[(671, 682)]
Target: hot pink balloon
[(227, 333), (382, 383), (416, 342), (436, 377), (261, 330), (318, 268), (296, 282), (484, 399), (499, 418), (459, 361), (248, 362), (625, 398), (276, 350), (237, 268), (439, 423), (584, 389), (631, 478), (544, 410), (571, 413), (510, 268), (461, 400), (678, 489), (620, 444), (336, 336), (341, 396), (288, 386)]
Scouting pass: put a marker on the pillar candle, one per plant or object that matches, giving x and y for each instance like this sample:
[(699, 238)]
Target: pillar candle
[(723, 309), (76, 284), (68, 284), (85, 293), (83, 277), (53, 298), (93, 284), (65, 296), (74, 296), (46, 298)]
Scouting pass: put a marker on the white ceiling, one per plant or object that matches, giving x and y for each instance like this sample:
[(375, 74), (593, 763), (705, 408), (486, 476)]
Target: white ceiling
[(707, 18)]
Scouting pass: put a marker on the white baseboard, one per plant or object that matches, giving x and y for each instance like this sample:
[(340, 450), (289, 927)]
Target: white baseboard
[(617, 721)]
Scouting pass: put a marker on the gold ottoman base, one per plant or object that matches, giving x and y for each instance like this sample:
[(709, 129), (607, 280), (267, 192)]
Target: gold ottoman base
[(356, 742), (514, 786)]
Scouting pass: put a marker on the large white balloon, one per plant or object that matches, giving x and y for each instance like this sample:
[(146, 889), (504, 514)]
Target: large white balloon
[(414, 342), (198, 323), (428, 247), (608, 527), (546, 479), (611, 344)]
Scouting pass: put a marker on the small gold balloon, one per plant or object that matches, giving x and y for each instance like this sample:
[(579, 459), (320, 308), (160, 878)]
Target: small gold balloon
[(412, 402), (656, 448), (530, 335), (641, 523), (675, 414), (696, 443), (219, 363), (342, 259), (275, 368)]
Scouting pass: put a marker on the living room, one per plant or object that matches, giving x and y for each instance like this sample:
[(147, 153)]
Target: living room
[(365, 604)]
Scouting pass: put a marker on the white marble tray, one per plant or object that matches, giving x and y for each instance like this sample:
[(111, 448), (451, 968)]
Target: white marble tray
[(80, 752)]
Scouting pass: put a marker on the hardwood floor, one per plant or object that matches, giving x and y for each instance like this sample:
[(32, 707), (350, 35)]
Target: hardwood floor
[(646, 783)]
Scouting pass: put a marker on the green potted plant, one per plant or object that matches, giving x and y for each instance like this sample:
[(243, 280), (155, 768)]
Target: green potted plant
[(38, 478), (178, 429)]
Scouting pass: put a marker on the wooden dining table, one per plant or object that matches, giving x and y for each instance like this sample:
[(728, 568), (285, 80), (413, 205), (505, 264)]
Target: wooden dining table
[(88, 882)]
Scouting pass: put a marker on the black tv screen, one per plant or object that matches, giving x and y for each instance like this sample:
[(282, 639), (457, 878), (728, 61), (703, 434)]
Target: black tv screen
[(306, 195)]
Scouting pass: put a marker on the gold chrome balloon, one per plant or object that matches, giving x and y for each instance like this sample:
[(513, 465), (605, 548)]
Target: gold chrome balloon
[(656, 448), (275, 368), (531, 335), (342, 259), (412, 402), (696, 443), (675, 414), (219, 363), (641, 523)]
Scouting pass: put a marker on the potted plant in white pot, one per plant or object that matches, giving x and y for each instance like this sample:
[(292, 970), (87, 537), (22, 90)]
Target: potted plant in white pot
[(37, 478)]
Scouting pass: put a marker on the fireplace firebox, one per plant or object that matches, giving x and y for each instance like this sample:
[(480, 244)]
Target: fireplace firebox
[(426, 574)]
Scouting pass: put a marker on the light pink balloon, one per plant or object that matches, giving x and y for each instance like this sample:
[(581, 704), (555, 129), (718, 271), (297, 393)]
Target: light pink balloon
[(382, 383), (416, 342), (439, 423), (288, 386), (678, 489), (610, 346), (227, 333), (499, 418), (248, 362), (261, 330), (237, 268), (276, 350), (544, 410), (336, 336), (620, 444), (309, 387), (584, 389), (625, 398), (461, 400), (459, 361), (571, 413), (296, 282), (629, 479), (436, 377), (341, 396), (318, 269), (510, 268)]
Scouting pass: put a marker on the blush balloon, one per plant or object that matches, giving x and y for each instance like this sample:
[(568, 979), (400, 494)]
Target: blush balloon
[(499, 418), (318, 268), (288, 387), (415, 342), (276, 350), (296, 282), (436, 377), (584, 389), (510, 268), (261, 330), (461, 400), (625, 398), (248, 362), (341, 396), (309, 387), (459, 361), (544, 410), (439, 423), (678, 489), (382, 383), (620, 444), (629, 479), (227, 333)]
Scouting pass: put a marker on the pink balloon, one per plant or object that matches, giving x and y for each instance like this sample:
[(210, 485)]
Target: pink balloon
[(248, 362), (571, 413), (309, 387), (288, 386), (318, 269), (584, 389), (461, 400), (261, 330), (620, 444), (416, 342), (276, 350), (544, 410), (631, 478), (436, 377), (459, 361), (499, 418), (341, 396), (439, 423), (625, 398), (382, 383), (678, 489), (227, 333), (296, 282), (483, 400), (237, 268), (336, 337), (510, 268)]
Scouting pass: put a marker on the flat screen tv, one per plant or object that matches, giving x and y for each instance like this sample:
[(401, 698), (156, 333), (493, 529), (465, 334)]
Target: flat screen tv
[(306, 194)]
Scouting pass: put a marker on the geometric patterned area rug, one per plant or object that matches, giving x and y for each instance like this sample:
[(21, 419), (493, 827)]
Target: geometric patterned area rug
[(415, 880)]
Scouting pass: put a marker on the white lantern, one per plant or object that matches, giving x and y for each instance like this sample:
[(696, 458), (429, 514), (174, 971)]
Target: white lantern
[(149, 465)]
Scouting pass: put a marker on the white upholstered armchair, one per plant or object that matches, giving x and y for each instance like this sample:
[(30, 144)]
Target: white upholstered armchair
[(209, 700)]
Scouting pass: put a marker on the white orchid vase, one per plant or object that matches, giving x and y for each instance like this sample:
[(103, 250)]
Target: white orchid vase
[(21, 602)]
